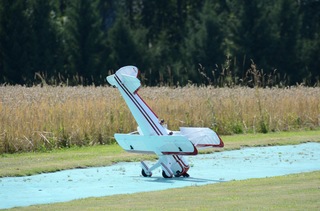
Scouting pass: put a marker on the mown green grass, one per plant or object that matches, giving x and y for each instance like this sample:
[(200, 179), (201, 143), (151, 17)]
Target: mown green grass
[(21, 164), (291, 192)]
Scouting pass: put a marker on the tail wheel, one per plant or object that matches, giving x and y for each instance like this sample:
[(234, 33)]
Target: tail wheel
[(145, 174), (165, 175), (185, 175)]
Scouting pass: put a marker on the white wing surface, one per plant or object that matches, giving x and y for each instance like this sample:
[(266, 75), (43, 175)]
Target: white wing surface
[(161, 145), (202, 137)]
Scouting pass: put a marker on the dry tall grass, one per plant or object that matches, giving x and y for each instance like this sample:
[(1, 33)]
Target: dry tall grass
[(50, 117)]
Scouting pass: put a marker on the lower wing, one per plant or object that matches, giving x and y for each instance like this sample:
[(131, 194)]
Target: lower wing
[(160, 145)]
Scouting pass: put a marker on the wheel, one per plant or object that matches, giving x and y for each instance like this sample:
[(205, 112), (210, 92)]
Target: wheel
[(165, 175), (178, 174), (145, 174), (186, 175)]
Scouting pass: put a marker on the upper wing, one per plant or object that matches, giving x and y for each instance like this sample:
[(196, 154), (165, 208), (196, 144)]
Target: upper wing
[(202, 137)]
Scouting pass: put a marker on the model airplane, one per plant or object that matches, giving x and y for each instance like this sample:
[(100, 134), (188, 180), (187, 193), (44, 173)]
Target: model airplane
[(152, 136)]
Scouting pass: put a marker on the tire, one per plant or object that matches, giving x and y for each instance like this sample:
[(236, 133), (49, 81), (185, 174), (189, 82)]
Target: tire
[(145, 174), (186, 175), (165, 175), (178, 174)]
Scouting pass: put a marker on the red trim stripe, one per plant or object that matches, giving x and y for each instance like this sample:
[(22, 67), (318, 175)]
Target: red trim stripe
[(146, 105), (184, 167), (195, 152)]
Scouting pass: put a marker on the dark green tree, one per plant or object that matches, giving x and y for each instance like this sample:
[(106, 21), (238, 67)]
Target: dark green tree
[(286, 57), (125, 49), (171, 41), (46, 41), (165, 25), (310, 41), (255, 37), (203, 45), (86, 42), (29, 41), (15, 42)]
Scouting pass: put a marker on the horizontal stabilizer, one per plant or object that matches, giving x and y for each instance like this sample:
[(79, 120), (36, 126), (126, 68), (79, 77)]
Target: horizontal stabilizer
[(202, 137), (112, 80), (160, 145)]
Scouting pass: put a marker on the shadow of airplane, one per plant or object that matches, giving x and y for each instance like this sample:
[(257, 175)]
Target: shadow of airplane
[(191, 180)]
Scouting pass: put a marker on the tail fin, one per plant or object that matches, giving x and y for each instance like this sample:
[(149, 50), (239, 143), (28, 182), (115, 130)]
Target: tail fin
[(132, 83), (126, 76)]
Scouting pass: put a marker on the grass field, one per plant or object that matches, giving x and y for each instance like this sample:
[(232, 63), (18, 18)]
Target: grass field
[(46, 118), (292, 192)]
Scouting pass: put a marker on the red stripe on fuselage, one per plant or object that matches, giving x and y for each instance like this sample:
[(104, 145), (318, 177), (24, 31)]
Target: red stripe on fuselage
[(146, 105), (184, 167)]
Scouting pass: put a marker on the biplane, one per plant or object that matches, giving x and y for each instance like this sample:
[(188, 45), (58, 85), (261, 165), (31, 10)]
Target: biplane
[(152, 136)]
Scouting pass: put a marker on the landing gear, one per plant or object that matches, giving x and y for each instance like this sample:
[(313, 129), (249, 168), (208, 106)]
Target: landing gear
[(178, 174), (172, 166), (145, 174), (165, 175), (185, 175)]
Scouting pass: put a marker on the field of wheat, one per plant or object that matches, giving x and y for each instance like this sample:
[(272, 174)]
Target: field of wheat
[(42, 118)]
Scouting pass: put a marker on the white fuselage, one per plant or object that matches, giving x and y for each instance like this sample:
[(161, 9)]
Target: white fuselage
[(170, 149)]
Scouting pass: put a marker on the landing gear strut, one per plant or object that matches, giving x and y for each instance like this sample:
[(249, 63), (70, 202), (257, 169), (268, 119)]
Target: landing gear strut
[(165, 175)]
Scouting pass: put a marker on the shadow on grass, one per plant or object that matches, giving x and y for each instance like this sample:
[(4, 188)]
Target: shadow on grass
[(182, 179)]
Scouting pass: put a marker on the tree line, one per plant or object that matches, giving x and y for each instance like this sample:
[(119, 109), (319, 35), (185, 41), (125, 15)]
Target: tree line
[(172, 42)]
